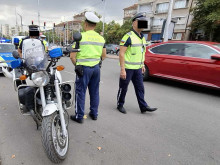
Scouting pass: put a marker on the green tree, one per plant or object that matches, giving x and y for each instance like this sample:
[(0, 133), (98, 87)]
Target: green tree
[(207, 17), (50, 35)]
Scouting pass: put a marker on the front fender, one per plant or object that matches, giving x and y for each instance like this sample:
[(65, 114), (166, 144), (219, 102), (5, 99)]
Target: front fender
[(49, 109), (7, 73), (59, 76)]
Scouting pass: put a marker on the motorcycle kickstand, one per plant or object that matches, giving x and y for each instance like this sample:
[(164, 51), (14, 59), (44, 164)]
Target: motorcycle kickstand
[(35, 119)]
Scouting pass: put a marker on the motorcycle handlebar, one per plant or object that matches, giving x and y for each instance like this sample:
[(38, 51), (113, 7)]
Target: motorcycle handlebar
[(75, 50)]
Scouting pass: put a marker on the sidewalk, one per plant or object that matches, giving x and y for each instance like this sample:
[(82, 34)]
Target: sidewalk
[(112, 56)]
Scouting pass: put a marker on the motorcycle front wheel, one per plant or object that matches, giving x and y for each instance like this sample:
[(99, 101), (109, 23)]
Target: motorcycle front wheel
[(55, 145)]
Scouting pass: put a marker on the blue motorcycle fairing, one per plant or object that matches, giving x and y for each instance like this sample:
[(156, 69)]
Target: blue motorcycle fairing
[(16, 63), (55, 53)]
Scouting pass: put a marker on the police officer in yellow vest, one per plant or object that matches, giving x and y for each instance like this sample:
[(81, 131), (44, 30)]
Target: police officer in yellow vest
[(132, 56), (92, 52), (43, 38)]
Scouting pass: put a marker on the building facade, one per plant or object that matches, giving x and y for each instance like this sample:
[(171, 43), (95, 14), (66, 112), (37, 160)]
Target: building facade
[(65, 30), (129, 12), (6, 30), (157, 12)]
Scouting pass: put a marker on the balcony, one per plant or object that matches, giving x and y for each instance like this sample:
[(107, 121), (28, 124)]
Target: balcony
[(180, 26)]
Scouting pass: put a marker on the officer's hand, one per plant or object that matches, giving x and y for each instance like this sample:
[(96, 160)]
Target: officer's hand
[(143, 69), (123, 74)]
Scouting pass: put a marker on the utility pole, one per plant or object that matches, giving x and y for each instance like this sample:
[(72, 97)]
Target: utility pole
[(169, 14), (38, 13), (21, 24), (103, 25), (67, 33), (16, 28), (60, 39), (53, 34)]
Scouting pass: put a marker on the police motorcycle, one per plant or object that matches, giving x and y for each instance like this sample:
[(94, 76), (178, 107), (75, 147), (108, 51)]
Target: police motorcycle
[(51, 95)]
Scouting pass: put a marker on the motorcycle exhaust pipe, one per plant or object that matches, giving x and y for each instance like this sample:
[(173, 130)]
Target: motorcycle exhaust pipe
[(66, 96), (66, 88)]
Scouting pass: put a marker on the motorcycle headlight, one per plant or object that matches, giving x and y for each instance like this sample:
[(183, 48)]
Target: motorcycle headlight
[(40, 78)]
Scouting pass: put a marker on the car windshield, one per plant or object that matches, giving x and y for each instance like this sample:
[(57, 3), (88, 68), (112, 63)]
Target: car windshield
[(217, 45), (6, 48)]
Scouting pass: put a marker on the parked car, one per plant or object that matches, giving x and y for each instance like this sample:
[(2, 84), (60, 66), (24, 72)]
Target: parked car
[(6, 50), (194, 62), (112, 49)]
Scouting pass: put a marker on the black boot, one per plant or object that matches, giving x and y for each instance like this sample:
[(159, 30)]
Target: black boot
[(148, 109), (121, 109), (93, 117), (73, 117)]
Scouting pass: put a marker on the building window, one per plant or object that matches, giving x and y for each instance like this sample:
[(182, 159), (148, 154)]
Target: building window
[(180, 20), (177, 36), (145, 8), (162, 8), (157, 22), (180, 4)]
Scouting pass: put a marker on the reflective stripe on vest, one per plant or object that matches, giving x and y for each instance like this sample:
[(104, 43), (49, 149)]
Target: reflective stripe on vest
[(134, 63), (136, 45), (87, 60), (92, 43)]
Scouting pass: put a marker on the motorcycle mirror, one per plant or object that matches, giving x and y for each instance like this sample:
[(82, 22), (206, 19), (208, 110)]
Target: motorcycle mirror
[(69, 48), (77, 36), (15, 54)]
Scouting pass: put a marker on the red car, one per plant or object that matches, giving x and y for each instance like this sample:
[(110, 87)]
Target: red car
[(189, 61)]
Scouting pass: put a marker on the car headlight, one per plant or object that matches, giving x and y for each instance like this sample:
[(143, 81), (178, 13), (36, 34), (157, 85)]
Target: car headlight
[(40, 78)]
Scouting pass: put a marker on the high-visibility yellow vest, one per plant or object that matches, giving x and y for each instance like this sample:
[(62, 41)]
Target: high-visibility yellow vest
[(91, 47), (45, 45), (135, 53)]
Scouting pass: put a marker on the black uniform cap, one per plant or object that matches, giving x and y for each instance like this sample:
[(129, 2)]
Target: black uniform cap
[(33, 28)]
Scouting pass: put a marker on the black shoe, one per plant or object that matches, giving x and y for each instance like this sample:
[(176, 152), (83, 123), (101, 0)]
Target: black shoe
[(93, 117), (121, 109), (73, 117), (148, 109)]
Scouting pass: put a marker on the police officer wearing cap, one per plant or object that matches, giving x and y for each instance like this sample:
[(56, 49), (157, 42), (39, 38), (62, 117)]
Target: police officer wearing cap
[(43, 38), (87, 67), (132, 55), (24, 46), (33, 33)]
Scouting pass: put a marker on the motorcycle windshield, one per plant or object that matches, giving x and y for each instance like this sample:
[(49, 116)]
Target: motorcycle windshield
[(36, 58)]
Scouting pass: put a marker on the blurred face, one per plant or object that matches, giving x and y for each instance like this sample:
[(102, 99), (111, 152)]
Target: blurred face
[(35, 37), (135, 26)]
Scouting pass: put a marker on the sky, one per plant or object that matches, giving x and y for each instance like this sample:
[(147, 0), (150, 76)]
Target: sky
[(55, 11)]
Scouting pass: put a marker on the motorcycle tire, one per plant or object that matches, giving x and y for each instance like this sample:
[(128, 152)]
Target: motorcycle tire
[(51, 130)]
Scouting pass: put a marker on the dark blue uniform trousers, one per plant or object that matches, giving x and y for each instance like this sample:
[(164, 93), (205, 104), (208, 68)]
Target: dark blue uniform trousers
[(135, 75), (90, 79)]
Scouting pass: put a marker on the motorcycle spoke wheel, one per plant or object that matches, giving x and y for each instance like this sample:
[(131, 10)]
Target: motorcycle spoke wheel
[(54, 143)]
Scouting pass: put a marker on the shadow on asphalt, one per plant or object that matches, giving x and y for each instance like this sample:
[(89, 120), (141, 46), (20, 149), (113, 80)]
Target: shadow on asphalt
[(190, 87)]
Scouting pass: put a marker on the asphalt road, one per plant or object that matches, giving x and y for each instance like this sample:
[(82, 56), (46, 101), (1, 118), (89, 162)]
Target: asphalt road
[(183, 131)]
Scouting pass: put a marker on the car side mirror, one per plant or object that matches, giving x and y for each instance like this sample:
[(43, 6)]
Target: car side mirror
[(215, 57), (15, 54)]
